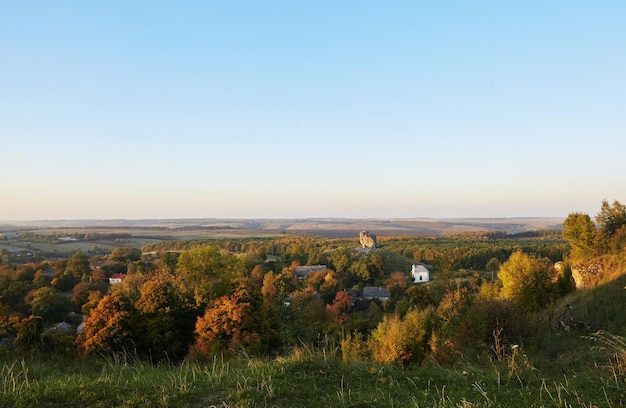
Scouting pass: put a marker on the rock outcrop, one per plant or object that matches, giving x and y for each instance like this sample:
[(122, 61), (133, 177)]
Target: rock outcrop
[(368, 240), (587, 275)]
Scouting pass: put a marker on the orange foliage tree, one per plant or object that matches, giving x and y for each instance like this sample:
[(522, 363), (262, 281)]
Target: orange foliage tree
[(224, 328), (340, 306), (108, 326)]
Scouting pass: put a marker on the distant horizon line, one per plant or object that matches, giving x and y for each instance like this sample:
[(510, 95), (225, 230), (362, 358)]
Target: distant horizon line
[(280, 218)]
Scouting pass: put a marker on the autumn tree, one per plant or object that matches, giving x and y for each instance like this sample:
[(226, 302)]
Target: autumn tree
[(493, 264), (340, 307), (222, 328), (401, 340), (41, 279), (526, 281), (109, 327), (13, 294), (169, 260), (80, 293)]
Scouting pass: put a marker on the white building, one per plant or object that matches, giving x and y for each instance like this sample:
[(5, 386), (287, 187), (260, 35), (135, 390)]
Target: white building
[(116, 278), (420, 273)]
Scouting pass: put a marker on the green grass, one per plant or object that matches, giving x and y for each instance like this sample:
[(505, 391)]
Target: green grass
[(304, 378)]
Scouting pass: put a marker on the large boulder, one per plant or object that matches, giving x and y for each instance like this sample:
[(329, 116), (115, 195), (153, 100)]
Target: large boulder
[(587, 275), (368, 240)]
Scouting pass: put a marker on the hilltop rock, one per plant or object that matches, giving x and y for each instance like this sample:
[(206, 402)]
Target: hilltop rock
[(368, 240)]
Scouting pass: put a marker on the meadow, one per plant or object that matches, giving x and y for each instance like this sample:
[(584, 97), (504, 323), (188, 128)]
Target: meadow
[(317, 377)]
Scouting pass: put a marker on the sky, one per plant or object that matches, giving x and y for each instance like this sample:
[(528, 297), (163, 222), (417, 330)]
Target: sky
[(282, 109)]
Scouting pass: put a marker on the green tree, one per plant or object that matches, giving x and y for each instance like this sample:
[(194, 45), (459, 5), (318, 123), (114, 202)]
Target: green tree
[(207, 273), (565, 282), (612, 221), (452, 313), (50, 304), (580, 232), (611, 217), (165, 320), (340, 260), (493, 264), (28, 332), (525, 281), (77, 266), (308, 315), (419, 296), (125, 254), (362, 269)]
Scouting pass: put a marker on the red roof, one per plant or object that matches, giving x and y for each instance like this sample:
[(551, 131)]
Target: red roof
[(118, 276)]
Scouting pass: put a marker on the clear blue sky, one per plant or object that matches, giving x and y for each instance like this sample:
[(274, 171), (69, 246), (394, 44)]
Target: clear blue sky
[(242, 109)]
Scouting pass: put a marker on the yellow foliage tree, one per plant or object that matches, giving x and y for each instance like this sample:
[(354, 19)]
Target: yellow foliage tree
[(525, 281), (397, 340)]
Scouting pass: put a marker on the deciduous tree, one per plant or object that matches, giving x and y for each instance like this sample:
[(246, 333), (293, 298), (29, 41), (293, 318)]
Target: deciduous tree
[(50, 304), (525, 281), (340, 307), (109, 327), (580, 232), (612, 222), (397, 340), (222, 328), (207, 273), (165, 320)]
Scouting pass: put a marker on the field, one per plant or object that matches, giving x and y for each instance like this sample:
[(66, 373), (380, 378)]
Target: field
[(59, 238)]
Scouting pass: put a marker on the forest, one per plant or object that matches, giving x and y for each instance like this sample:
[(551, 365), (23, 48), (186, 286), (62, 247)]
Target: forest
[(515, 308)]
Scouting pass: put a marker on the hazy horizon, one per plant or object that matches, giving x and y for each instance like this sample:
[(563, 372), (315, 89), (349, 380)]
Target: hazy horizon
[(113, 222), (281, 110)]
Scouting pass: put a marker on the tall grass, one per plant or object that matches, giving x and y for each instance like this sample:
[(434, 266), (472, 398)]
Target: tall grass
[(615, 348), (308, 376), (14, 377)]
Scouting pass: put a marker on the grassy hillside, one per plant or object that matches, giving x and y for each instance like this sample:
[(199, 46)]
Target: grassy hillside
[(305, 378)]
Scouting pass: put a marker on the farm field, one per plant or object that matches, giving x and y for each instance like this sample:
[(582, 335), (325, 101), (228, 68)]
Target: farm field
[(63, 237)]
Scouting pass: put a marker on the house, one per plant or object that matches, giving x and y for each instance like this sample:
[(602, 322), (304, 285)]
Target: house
[(420, 273), (116, 278), (302, 271), (372, 292)]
